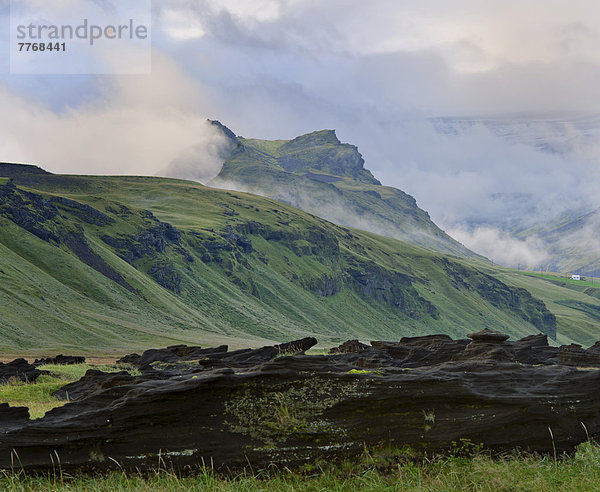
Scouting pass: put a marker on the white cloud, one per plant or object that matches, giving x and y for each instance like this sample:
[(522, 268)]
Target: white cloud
[(501, 247), (181, 26), (139, 126)]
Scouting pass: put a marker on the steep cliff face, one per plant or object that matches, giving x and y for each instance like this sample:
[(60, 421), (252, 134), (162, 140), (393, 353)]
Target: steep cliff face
[(325, 177)]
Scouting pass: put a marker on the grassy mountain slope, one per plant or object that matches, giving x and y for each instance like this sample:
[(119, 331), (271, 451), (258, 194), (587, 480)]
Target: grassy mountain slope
[(113, 264), (319, 174)]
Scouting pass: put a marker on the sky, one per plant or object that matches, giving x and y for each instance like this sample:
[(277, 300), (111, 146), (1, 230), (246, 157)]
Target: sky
[(377, 72)]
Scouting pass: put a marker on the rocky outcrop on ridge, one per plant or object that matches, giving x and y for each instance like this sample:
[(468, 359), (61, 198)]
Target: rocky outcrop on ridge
[(276, 405)]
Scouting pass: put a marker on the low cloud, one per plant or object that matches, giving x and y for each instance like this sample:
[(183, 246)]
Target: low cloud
[(476, 178), (502, 248), (203, 161)]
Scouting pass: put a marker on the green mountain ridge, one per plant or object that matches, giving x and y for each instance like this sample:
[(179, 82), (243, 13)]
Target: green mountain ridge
[(320, 175), (113, 264)]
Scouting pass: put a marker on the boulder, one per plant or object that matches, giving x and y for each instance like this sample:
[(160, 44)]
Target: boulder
[(488, 336), (60, 360), (18, 370), (131, 359), (350, 346)]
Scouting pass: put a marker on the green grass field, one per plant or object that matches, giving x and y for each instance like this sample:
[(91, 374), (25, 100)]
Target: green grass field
[(573, 302), (566, 279)]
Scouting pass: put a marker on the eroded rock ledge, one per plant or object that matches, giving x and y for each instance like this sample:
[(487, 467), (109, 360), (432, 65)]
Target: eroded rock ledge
[(275, 405)]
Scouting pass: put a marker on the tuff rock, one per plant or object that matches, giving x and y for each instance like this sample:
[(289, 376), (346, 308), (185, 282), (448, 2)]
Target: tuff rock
[(20, 370), (60, 359), (276, 405)]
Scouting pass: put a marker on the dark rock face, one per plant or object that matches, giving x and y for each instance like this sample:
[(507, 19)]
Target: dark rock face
[(83, 211), (274, 405), (391, 288), (148, 242), (228, 133), (324, 286), (238, 241), (60, 360), (20, 370), (30, 211), (166, 276), (34, 213)]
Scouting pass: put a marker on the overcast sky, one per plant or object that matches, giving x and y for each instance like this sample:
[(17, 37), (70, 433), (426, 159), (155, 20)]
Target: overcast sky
[(374, 71)]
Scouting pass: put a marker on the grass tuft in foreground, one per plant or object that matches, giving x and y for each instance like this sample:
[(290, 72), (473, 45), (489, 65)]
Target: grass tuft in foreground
[(479, 473)]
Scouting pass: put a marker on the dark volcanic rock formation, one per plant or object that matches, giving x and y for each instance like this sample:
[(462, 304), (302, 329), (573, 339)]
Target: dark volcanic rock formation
[(93, 382), (61, 360), (266, 406), (18, 369), (349, 347), (218, 356), (575, 355), (173, 354)]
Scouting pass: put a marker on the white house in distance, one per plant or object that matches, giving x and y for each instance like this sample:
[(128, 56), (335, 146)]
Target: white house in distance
[(575, 277)]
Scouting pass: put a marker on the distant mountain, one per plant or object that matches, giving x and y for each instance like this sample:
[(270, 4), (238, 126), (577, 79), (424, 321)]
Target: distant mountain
[(572, 244), (556, 135), (566, 226), (320, 175), (114, 264)]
